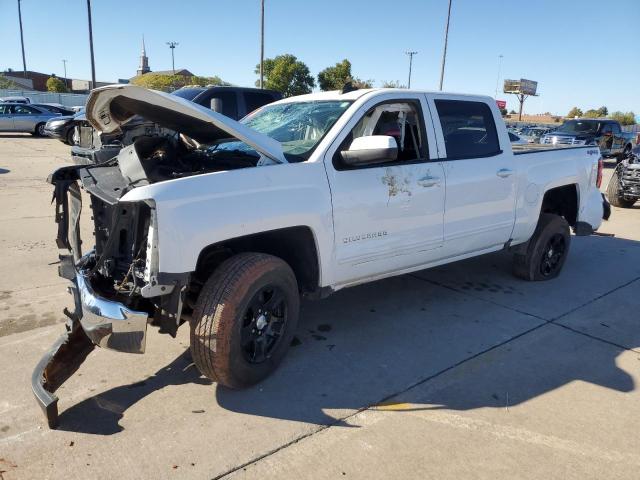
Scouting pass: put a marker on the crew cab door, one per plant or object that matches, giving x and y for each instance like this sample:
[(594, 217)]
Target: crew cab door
[(387, 216), (480, 174), (618, 140)]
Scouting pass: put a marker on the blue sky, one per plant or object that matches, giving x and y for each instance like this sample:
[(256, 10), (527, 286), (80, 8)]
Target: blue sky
[(581, 52)]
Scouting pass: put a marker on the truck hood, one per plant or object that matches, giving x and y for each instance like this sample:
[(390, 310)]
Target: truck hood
[(109, 108)]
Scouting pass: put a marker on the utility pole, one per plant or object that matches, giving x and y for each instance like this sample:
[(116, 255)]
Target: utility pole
[(64, 65), (444, 52), (411, 54), (172, 46), (93, 63), (24, 61), (499, 68), (261, 43)]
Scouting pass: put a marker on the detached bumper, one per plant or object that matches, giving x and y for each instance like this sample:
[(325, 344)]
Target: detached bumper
[(95, 321)]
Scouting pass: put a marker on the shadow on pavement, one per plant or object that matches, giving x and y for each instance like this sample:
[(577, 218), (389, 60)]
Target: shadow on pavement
[(365, 344), (4, 170)]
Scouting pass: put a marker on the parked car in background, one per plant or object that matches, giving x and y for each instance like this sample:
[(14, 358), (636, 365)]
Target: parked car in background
[(234, 102), (63, 128), (20, 117), (604, 132), (534, 134), (55, 108), (516, 140), (15, 100), (624, 186)]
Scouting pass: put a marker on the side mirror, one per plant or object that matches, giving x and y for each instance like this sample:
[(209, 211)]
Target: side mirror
[(216, 105), (371, 150)]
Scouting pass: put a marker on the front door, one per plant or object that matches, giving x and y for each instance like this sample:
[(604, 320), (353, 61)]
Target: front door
[(480, 176), (6, 118), (387, 217)]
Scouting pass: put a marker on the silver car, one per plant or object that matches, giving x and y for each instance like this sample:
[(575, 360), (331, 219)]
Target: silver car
[(18, 117)]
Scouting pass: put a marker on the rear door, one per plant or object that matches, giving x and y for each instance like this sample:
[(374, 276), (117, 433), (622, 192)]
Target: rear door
[(6, 118), (25, 118), (387, 217), (480, 174)]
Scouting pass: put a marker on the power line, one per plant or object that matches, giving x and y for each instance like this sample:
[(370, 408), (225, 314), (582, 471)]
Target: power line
[(411, 54)]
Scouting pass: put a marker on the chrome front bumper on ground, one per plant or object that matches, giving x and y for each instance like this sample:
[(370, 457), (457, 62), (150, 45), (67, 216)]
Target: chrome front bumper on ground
[(95, 321)]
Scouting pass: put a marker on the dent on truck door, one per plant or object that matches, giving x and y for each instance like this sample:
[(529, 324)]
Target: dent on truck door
[(480, 203), (386, 216)]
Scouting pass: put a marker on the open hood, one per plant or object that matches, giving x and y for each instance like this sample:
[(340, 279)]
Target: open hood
[(110, 107)]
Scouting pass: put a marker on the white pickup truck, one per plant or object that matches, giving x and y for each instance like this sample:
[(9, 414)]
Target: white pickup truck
[(224, 224)]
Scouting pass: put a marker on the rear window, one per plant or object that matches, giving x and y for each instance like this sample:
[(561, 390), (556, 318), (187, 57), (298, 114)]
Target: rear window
[(255, 100), (468, 128)]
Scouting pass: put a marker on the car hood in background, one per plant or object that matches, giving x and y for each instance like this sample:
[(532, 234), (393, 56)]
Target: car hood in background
[(110, 107)]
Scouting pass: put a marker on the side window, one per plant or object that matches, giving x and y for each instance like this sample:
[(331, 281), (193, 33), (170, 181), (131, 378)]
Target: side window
[(468, 128), (23, 110), (606, 128), (255, 100), (4, 110), (401, 120), (615, 128)]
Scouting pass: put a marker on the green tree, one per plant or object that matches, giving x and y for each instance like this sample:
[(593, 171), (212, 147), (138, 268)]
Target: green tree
[(513, 112), (591, 113), (334, 78), (392, 84), (625, 118), (287, 75), (603, 111), (574, 112), (503, 111), (6, 83), (54, 84)]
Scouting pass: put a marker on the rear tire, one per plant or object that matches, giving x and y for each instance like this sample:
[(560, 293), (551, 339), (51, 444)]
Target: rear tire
[(614, 194), (244, 319), (39, 130), (546, 251), (70, 137)]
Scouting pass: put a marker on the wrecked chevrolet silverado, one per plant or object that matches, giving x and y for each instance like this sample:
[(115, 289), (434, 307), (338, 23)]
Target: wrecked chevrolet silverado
[(224, 225)]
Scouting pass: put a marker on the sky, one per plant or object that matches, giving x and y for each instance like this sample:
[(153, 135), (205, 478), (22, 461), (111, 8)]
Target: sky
[(583, 53)]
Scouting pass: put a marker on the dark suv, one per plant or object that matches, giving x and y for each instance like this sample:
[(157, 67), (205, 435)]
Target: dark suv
[(234, 102)]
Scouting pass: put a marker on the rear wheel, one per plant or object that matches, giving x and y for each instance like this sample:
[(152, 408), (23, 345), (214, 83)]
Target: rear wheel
[(70, 137), (546, 251), (244, 319), (614, 192), (39, 130)]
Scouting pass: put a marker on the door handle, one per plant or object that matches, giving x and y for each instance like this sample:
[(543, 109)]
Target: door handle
[(429, 181), (504, 173)]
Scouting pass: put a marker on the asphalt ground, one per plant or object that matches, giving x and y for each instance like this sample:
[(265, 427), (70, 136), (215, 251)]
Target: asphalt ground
[(461, 371)]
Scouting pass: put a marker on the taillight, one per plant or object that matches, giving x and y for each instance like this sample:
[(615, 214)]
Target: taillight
[(600, 168)]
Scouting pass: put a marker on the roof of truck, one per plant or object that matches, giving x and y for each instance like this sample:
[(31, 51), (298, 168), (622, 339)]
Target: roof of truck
[(355, 94)]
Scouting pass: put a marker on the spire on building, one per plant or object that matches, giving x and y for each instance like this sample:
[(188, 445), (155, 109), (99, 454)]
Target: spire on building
[(144, 60)]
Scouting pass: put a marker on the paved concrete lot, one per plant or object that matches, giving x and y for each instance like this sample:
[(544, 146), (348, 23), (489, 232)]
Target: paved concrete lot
[(462, 371)]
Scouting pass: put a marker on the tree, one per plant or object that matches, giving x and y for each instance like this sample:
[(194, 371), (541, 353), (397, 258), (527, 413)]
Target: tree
[(591, 113), (169, 83), (603, 111), (512, 112), (6, 83), (503, 111), (54, 84), (287, 75), (574, 112), (392, 84), (625, 118), (334, 78)]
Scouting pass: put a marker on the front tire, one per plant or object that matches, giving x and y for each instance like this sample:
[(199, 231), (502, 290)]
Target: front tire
[(546, 251), (614, 193), (244, 319)]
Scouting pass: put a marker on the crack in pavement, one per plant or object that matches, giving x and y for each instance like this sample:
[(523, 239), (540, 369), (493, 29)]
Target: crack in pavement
[(422, 381)]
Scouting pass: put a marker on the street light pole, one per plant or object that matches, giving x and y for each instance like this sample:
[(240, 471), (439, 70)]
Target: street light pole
[(172, 46), (93, 63), (261, 43), (411, 54), (444, 52), (24, 61), (499, 68), (64, 65)]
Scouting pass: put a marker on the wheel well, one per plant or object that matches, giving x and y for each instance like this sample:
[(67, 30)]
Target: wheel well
[(295, 245), (562, 201)]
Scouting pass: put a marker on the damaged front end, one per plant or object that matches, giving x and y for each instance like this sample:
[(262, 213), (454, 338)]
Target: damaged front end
[(115, 287)]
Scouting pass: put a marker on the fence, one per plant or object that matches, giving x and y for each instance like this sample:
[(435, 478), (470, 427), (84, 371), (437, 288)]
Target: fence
[(66, 99)]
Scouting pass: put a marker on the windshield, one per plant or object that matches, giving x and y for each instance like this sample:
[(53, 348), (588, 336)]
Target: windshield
[(298, 126), (577, 127)]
